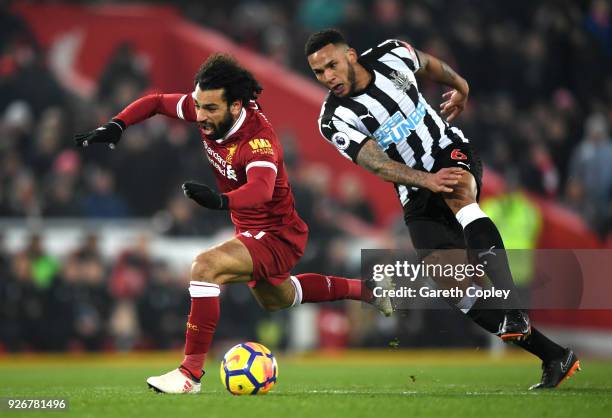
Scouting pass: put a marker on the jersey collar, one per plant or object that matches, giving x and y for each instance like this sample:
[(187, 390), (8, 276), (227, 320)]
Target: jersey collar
[(237, 125)]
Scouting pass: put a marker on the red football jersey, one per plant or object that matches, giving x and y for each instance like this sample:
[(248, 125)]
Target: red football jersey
[(251, 142)]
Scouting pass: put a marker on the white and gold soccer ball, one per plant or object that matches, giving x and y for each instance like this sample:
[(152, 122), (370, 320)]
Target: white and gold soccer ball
[(249, 369)]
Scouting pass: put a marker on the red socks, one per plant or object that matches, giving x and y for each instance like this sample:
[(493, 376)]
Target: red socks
[(204, 314), (201, 324), (320, 288)]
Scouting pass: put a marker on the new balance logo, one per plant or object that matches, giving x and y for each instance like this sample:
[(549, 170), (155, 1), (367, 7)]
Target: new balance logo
[(489, 251), (249, 235)]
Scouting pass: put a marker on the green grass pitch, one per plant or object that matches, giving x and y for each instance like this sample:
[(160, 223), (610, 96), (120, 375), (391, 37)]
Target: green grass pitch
[(362, 384)]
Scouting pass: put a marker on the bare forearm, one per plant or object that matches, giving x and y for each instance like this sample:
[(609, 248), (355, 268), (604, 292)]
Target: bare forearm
[(438, 71), (375, 160)]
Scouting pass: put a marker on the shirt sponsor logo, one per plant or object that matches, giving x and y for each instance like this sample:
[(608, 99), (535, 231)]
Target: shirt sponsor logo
[(259, 143), (222, 165), (261, 146), (397, 128)]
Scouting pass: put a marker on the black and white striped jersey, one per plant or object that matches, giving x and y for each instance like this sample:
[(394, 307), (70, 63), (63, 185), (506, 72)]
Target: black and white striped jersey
[(391, 111)]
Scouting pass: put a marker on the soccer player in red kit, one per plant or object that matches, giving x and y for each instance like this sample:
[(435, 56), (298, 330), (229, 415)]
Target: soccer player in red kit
[(247, 160)]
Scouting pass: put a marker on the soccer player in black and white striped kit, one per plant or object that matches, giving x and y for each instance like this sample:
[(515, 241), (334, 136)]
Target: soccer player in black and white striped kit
[(375, 115)]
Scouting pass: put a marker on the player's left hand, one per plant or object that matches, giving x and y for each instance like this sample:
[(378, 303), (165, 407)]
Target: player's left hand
[(205, 196), (454, 104)]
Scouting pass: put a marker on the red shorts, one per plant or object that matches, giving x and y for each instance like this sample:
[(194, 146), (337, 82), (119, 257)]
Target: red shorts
[(275, 253)]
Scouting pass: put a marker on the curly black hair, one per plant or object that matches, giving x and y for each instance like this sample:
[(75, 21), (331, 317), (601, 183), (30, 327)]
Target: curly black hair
[(222, 71), (318, 40)]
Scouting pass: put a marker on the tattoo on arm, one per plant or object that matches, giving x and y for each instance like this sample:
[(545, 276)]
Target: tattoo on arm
[(448, 71), (423, 59), (437, 70), (373, 159)]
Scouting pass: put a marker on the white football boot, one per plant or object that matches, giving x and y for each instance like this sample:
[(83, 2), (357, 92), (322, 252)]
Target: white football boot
[(383, 304), (174, 382)]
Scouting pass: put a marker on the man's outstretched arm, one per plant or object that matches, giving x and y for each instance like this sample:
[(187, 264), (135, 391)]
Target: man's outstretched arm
[(179, 106), (440, 72), (373, 159)]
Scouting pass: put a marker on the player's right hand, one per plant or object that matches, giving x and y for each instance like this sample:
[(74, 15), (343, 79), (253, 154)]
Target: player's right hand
[(109, 133), (205, 196), (455, 102), (444, 180)]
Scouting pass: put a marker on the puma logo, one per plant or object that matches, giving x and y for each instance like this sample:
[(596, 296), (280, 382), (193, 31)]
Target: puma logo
[(327, 125), (367, 115), (489, 251), (465, 164)]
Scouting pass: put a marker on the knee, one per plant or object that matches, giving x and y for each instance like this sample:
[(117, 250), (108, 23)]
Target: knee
[(459, 198), (204, 268), (463, 194)]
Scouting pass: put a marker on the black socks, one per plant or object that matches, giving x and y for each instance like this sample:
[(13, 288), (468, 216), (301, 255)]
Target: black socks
[(485, 246)]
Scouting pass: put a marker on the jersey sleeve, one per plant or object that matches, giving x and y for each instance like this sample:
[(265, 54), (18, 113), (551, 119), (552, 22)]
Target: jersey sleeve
[(343, 135), (258, 189), (263, 150), (178, 106), (407, 53)]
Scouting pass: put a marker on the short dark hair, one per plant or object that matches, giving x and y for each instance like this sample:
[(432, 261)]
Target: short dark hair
[(318, 40), (222, 71)]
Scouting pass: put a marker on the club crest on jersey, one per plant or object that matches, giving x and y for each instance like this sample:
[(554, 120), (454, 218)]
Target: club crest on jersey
[(401, 81), (397, 128), (231, 150)]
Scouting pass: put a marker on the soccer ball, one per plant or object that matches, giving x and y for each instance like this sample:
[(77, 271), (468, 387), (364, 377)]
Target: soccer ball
[(248, 369)]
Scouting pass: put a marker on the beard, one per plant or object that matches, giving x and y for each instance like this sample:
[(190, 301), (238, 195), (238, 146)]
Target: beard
[(220, 130), (351, 80)]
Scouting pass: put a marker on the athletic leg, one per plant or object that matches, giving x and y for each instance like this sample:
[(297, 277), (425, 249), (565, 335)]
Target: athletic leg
[(485, 246), (274, 254), (313, 288), (441, 233), (229, 262)]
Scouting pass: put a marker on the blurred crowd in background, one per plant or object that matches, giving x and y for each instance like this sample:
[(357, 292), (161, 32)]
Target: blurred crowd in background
[(539, 113)]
